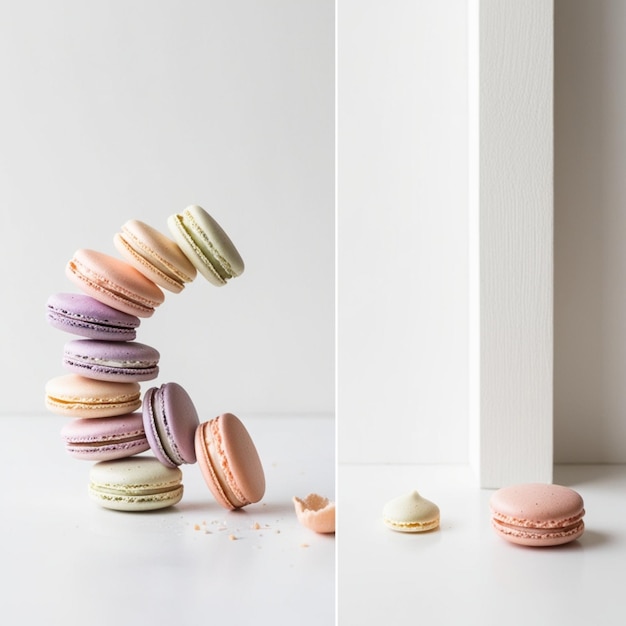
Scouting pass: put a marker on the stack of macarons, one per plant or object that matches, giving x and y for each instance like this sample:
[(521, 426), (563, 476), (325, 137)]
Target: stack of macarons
[(101, 391)]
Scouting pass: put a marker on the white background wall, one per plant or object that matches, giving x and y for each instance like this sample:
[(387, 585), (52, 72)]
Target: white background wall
[(590, 222), (402, 231), (118, 110)]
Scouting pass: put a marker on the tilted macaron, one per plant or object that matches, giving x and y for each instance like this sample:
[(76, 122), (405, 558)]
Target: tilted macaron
[(83, 315), (135, 484), (105, 438), (206, 245), (537, 514), (411, 513), (156, 256), (77, 396), (170, 421), (229, 461), (111, 360), (114, 282)]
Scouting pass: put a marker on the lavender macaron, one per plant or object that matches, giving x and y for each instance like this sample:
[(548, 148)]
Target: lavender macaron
[(85, 316), (170, 420), (123, 361)]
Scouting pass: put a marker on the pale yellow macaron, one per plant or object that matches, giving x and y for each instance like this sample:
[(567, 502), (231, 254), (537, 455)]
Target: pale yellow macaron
[(411, 513)]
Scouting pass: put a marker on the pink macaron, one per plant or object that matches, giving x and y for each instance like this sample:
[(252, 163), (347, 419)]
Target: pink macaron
[(537, 514), (105, 438), (229, 462), (111, 360), (170, 421), (114, 282)]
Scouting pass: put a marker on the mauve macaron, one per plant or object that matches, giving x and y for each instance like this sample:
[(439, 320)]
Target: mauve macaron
[(156, 256), (77, 396), (170, 420), (114, 282), (83, 315), (111, 360), (105, 438), (537, 514), (229, 461)]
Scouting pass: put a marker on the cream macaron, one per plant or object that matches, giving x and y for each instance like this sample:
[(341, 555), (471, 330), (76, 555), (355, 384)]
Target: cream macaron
[(411, 513)]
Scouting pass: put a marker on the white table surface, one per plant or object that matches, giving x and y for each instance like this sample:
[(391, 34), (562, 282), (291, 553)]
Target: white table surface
[(67, 561), (463, 573)]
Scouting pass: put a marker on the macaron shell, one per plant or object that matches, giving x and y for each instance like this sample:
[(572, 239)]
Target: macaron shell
[(77, 396), (111, 360), (229, 461), (105, 438), (539, 537), (316, 513), (206, 245), (114, 282), (135, 484), (170, 420), (154, 255), (85, 316)]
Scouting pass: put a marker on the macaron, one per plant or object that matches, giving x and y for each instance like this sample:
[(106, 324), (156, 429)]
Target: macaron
[(111, 360), (229, 461), (537, 514), (206, 245), (135, 484), (411, 513), (170, 421), (114, 282), (77, 396), (83, 315), (105, 438), (153, 254)]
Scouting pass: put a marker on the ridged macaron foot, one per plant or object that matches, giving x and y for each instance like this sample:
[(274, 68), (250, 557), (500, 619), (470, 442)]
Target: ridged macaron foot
[(105, 438), (170, 421), (77, 396), (85, 316), (411, 513), (153, 254), (135, 484), (206, 245), (229, 462), (537, 514), (114, 282), (111, 360)]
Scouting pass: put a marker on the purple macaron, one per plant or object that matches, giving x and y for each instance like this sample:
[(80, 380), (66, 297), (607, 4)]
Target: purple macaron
[(105, 438), (170, 421), (83, 315), (122, 361)]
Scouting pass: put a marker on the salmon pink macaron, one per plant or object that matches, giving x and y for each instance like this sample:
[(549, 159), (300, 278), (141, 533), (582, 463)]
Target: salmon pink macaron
[(105, 438), (111, 360), (537, 514), (156, 256), (229, 461), (114, 282), (77, 396)]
